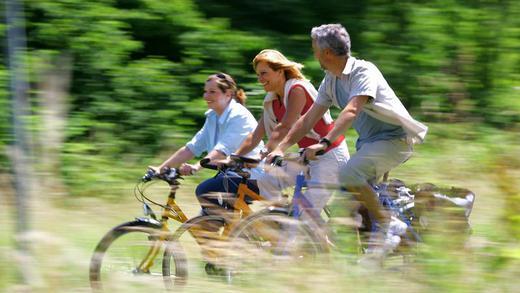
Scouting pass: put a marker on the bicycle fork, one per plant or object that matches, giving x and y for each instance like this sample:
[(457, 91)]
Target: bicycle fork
[(157, 242), (298, 205), (172, 211)]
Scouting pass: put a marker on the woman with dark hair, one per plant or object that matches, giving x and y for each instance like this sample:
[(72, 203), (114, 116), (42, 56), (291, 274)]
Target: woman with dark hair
[(227, 124)]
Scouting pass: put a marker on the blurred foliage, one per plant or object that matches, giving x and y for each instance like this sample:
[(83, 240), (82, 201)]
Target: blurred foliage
[(137, 74), (138, 66)]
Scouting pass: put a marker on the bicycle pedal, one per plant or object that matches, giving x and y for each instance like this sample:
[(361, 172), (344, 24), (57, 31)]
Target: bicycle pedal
[(137, 271), (153, 238), (213, 270), (330, 242)]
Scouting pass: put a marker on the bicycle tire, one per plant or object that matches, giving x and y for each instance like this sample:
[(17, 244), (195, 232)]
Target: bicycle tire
[(269, 239), (119, 253), (193, 249)]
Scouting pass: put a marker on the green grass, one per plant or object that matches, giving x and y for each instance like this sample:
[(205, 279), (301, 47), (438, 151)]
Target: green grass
[(65, 229)]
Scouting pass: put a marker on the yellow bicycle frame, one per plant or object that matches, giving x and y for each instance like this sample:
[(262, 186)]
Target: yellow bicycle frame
[(173, 211)]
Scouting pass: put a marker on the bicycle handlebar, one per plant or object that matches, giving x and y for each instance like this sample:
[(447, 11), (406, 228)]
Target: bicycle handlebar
[(237, 162), (205, 163), (169, 175), (150, 173), (242, 159), (320, 152), (278, 160), (237, 165)]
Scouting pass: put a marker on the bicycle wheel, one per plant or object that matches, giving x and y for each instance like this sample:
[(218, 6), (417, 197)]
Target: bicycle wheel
[(130, 255), (268, 241), (201, 239)]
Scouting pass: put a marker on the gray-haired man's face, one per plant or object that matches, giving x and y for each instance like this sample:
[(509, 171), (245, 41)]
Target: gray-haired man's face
[(318, 54)]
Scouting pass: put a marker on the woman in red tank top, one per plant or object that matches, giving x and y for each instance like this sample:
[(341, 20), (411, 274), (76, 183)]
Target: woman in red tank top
[(289, 95)]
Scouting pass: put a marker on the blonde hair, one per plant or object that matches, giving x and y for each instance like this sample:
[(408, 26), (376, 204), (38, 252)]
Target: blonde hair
[(276, 61), (226, 82)]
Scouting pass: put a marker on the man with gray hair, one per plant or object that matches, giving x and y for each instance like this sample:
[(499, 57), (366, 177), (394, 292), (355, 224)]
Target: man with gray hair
[(385, 128)]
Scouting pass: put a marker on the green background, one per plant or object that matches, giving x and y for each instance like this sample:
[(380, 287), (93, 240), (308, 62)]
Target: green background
[(116, 86)]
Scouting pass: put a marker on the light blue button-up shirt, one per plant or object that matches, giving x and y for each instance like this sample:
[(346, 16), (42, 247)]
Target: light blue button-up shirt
[(225, 133)]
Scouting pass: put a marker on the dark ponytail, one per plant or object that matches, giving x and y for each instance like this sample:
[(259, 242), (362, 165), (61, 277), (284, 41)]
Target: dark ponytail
[(241, 97)]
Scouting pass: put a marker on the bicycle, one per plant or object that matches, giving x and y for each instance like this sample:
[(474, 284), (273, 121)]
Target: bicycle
[(275, 235), (131, 250), (297, 239), (205, 242), (139, 256)]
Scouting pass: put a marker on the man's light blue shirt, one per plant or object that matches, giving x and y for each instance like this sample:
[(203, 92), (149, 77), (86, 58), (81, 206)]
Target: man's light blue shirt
[(361, 78), (225, 133)]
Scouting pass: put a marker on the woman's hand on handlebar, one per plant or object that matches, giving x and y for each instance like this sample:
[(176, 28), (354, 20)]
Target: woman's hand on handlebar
[(250, 165), (275, 153), (189, 169), (158, 169)]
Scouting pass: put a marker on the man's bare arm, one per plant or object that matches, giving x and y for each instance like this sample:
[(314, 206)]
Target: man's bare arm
[(347, 116), (303, 126)]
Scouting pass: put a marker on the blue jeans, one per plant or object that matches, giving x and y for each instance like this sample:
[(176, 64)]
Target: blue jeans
[(218, 190)]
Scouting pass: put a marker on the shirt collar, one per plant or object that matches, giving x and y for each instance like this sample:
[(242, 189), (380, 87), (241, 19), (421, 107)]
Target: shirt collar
[(222, 118), (349, 66), (269, 97)]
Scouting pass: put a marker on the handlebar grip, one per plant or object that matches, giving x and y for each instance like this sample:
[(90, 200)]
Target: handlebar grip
[(242, 159), (277, 161), (148, 175), (318, 153), (205, 164)]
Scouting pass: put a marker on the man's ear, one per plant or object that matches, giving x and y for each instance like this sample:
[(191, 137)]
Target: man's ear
[(327, 51)]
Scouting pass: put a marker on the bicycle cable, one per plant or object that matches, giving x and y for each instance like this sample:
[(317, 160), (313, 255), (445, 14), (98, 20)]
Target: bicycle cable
[(145, 198)]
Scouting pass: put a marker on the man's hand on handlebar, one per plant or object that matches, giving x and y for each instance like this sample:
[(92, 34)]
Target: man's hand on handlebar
[(314, 150)]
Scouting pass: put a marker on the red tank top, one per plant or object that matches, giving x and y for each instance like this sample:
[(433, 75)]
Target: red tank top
[(321, 127)]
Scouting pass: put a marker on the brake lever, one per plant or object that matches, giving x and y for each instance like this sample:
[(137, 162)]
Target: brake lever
[(150, 173)]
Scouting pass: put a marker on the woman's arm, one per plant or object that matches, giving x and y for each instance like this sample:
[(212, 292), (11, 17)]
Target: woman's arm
[(178, 158), (253, 139), (295, 104), (190, 150)]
